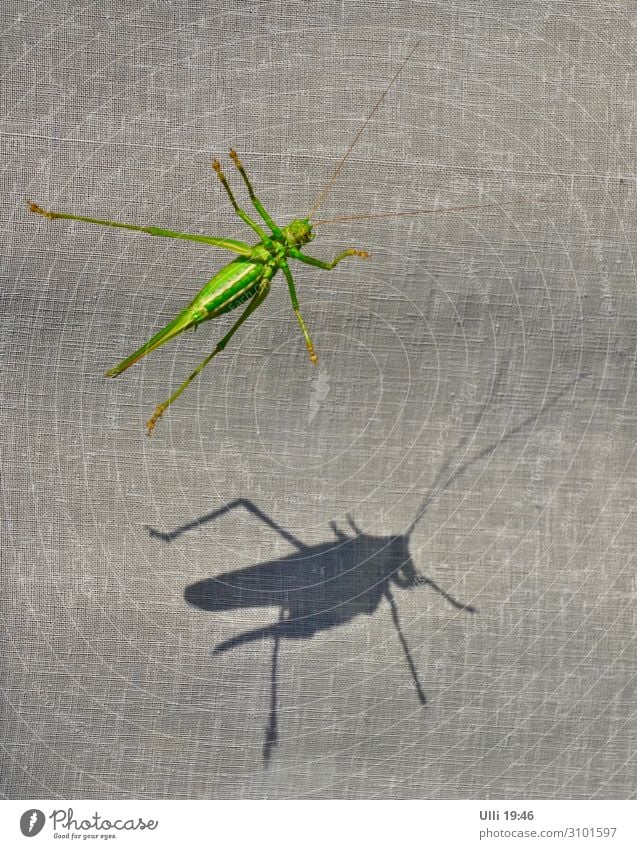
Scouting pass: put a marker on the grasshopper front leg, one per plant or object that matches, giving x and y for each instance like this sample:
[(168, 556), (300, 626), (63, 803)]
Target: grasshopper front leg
[(327, 266), (318, 263), (295, 305)]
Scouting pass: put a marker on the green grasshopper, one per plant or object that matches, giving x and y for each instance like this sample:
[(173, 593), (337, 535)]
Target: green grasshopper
[(247, 279)]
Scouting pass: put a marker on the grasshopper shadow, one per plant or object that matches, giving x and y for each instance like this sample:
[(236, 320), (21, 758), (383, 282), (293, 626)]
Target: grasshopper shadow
[(315, 588), (319, 587)]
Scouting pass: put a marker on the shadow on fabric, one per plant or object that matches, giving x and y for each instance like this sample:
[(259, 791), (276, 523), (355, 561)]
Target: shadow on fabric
[(320, 587)]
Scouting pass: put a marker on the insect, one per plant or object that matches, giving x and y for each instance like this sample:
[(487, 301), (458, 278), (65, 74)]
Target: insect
[(246, 280), (324, 586), (316, 588)]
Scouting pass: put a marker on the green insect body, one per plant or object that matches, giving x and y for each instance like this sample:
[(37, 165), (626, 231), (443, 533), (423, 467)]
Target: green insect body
[(244, 280), (247, 279), (233, 285)]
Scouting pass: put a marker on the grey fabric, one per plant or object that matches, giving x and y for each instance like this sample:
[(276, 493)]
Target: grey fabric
[(478, 371)]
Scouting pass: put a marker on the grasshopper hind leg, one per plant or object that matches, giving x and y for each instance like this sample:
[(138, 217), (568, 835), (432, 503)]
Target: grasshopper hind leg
[(160, 409)]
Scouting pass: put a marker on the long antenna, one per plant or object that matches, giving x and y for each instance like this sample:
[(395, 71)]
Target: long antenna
[(485, 452), (364, 216), (332, 179)]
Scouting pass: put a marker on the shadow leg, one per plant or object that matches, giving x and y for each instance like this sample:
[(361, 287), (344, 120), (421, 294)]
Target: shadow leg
[(271, 732), (215, 514), (457, 604), (410, 662)]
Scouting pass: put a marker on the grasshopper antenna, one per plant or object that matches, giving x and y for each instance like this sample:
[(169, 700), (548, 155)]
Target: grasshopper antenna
[(367, 216), (339, 167), (489, 449)]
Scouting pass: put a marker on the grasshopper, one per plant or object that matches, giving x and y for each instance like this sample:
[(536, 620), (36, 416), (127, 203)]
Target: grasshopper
[(246, 280), (316, 588), (320, 587)]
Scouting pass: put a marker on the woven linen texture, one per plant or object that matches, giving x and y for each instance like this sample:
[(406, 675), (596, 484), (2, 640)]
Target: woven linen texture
[(477, 372)]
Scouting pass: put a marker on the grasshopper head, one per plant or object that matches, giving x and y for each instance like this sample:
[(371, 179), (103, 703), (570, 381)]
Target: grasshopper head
[(298, 233), (405, 574)]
